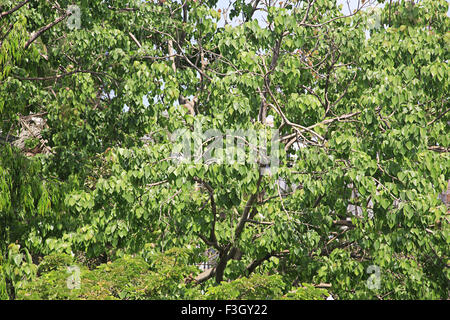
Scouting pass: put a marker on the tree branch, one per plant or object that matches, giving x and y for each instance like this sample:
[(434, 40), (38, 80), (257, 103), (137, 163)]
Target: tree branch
[(257, 262), (248, 206), (438, 117), (228, 252), (276, 54), (205, 275), (20, 5), (43, 29), (134, 39), (212, 237)]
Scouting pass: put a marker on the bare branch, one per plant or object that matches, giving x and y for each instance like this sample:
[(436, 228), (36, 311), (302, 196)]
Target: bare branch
[(58, 76), (260, 222), (438, 117), (248, 206), (135, 40), (126, 9), (339, 118), (43, 29), (303, 22), (205, 275), (20, 5), (212, 237), (257, 262), (439, 149)]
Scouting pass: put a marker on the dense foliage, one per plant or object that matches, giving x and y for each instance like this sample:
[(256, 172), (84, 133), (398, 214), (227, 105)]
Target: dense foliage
[(361, 106)]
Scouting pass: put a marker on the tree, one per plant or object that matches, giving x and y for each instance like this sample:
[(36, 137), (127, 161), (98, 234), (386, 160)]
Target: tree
[(360, 102)]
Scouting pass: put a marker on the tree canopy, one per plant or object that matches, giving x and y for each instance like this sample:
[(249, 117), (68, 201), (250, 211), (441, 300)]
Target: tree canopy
[(352, 105)]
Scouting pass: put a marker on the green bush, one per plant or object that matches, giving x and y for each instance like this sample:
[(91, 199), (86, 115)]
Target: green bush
[(157, 276), (306, 292), (257, 286), (127, 277), (262, 287), (53, 262)]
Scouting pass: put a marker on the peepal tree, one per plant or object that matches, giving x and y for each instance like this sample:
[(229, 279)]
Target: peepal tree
[(359, 102)]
